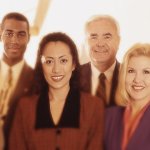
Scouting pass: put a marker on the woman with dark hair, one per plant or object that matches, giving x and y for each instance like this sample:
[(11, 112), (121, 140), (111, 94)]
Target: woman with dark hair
[(58, 116)]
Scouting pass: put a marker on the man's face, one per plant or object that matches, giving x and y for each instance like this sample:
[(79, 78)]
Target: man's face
[(14, 37), (103, 42)]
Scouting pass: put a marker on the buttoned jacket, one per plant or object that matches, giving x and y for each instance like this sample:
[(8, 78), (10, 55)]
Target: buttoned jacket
[(23, 87), (80, 126), (86, 81)]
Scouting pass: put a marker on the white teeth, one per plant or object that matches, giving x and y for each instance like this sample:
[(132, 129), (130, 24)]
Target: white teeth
[(138, 87), (57, 78)]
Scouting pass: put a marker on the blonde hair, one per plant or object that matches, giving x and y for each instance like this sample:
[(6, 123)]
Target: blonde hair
[(139, 49), (95, 18)]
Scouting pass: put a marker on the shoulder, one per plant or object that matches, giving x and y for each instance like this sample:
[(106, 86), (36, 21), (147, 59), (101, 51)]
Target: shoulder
[(29, 102), (27, 68), (85, 65), (114, 109), (91, 102), (114, 113)]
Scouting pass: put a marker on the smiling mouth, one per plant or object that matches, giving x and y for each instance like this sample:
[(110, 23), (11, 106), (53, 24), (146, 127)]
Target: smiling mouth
[(14, 48), (57, 78), (101, 50), (137, 88)]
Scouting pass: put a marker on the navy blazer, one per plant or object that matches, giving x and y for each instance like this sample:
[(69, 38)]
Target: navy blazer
[(23, 87), (86, 81), (114, 130)]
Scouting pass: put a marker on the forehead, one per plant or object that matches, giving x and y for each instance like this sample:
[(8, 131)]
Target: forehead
[(102, 26), (15, 25), (137, 61), (56, 49)]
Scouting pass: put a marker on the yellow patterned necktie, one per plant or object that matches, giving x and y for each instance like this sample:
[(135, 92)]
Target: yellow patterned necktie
[(5, 91)]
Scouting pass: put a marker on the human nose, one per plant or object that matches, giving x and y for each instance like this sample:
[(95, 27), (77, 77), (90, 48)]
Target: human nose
[(137, 77), (100, 42), (14, 38), (56, 67)]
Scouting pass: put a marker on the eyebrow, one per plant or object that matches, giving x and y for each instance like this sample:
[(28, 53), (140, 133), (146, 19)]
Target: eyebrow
[(9, 30), (107, 34), (93, 34), (58, 57)]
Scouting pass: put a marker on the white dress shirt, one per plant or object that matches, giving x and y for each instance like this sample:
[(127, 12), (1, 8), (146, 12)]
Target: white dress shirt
[(95, 79)]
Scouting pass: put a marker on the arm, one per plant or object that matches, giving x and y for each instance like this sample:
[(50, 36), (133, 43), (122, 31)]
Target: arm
[(17, 139), (97, 127)]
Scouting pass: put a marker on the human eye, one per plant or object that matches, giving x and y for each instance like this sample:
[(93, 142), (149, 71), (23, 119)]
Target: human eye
[(130, 71), (93, 36), (146, 71), (21, 34), (48, 61), (63, 61), (8, 34), (107, 36)]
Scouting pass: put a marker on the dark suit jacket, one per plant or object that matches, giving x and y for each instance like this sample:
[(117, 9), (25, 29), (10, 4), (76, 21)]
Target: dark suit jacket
[(23, 87), (114, 127), (86, 79), (80, 126)]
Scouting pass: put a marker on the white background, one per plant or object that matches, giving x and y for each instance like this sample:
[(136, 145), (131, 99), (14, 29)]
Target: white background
[(69, 16)]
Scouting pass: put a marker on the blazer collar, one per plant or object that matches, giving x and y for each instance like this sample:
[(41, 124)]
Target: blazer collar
[(70, 116)]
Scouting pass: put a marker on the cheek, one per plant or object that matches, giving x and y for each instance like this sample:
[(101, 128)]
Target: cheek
[(46, 70), (128, 81), (91, 43), (147, 81)]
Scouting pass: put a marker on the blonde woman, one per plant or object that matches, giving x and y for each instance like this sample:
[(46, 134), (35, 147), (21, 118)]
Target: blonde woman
[(128, 127)]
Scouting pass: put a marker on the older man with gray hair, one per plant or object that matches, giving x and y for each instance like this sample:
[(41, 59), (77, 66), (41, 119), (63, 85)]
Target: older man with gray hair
[(100, 76)]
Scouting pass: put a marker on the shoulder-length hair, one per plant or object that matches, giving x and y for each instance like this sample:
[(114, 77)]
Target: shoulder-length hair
[(138, 49), (41, 83)]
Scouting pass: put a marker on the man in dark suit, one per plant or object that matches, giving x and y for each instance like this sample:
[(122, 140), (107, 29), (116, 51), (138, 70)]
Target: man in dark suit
[(15, 36), (102, 41)]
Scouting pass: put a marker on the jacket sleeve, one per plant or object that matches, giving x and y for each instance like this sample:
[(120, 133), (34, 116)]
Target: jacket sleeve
[(97, 127), (17, 140)]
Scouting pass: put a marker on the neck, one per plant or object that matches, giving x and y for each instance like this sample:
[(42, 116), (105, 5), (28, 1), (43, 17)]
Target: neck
[(58, 94), (11, 62), (138, 105), (102, 67)]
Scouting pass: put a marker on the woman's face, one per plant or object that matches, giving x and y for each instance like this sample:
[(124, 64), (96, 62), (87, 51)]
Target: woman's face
[(57, 64), (138, 78)]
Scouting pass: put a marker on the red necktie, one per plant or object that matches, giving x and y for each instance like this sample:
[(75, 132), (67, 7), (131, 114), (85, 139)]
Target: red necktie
[(101, 89)]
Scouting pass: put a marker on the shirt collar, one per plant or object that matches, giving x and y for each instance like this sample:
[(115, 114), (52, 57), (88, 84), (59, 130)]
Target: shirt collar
[(16, 69), (70, 116), (108, 73)]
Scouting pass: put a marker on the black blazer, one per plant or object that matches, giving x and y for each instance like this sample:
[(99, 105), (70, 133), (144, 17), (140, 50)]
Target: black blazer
[(23, 87), (86, 81)]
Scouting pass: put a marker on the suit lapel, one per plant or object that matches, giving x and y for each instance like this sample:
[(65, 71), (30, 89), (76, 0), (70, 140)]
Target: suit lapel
[(23, 84), (114, 84), (142, 134), (85, 80)]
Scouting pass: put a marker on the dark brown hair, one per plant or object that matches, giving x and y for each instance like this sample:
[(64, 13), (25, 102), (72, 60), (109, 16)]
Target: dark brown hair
[(54, 37), (16, 16)]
